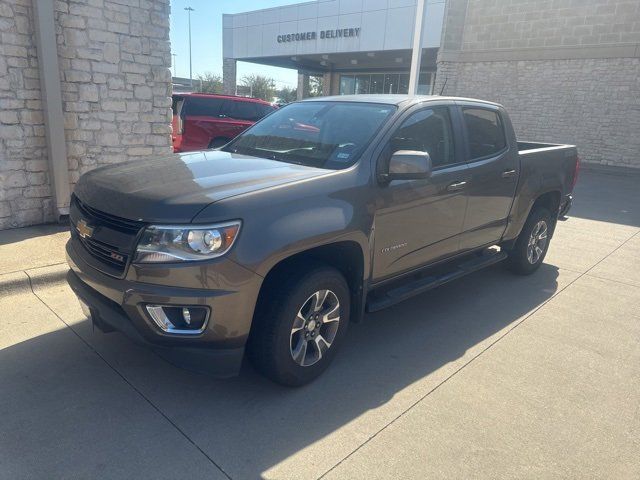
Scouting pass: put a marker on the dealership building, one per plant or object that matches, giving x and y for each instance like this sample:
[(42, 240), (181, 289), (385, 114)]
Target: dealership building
[(567, 71), (357, 46)]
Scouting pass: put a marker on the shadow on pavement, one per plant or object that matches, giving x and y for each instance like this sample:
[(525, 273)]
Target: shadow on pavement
[(27, 233), (247, 424), (611, 198)]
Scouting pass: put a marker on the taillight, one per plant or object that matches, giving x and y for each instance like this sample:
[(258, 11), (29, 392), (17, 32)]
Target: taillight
[(575, 173)]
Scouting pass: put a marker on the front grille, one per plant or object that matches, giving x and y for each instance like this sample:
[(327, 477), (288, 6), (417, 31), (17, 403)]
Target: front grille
[(128, 226), (106, 253), (112, 240)]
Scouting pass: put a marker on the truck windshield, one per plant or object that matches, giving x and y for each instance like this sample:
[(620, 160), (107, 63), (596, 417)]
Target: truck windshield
[(319, 134)]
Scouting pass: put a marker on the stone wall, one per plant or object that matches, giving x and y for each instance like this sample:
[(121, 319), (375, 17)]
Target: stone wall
[(229, 72), (567, 71), (592, 103), (493, 24), (114, 58), (25, 196)]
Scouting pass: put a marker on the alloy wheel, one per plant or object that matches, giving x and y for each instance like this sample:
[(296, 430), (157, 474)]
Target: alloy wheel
[(537, 242), (315, 328)]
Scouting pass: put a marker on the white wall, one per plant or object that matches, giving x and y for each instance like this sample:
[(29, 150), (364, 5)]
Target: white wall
[(384, 25)]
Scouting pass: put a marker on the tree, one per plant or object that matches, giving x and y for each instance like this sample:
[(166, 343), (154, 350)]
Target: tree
[(209, 83), (287, 95), (316, 84), (259, 86)]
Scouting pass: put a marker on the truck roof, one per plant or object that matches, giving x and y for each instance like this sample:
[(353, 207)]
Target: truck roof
[(240, 98), (391, 99)]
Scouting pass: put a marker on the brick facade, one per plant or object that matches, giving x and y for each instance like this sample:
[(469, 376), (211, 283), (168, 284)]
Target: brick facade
[(567, 71), (114, 59)]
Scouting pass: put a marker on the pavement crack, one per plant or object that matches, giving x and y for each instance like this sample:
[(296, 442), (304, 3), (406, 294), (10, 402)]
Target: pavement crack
[(612, 280), (33, 268), (128, 382)]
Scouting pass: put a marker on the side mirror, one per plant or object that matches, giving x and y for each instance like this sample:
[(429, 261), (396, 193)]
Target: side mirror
[(408, 165)]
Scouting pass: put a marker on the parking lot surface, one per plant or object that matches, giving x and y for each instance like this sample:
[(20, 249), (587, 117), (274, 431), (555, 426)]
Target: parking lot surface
[(492, 376)]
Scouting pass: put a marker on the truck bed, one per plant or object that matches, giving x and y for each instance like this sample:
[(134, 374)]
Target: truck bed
[(547, 166), (526, 147), (544, 167)]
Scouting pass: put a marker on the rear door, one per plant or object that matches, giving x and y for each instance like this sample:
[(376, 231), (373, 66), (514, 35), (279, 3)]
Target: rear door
[(419, 221), (238, 115), (493, 162), (200, 116)]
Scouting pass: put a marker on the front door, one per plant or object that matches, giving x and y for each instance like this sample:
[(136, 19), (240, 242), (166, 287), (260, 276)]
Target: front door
[(419, 221), (493, 170)]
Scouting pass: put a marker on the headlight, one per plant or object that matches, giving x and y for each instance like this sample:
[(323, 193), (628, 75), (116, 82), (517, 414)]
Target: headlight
[(162, 244)]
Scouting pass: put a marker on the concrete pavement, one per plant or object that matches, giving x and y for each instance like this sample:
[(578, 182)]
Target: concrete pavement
[(494, 376)]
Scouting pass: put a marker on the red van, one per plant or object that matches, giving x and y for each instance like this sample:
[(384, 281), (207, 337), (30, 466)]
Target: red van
[(203, 120)]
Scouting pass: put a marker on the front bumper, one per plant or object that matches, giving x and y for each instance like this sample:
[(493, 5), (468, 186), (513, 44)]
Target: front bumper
[(229, 290)]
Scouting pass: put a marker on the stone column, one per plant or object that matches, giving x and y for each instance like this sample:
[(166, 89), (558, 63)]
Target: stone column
[(229, 75), (335, 83), (303, 85), (326, 84)]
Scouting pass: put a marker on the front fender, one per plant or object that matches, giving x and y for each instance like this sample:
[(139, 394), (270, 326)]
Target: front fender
[(269, 242)]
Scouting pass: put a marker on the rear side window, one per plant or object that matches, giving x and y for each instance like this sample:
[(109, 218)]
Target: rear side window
[(176, 104), (250, 111), (202, 107), (485, 131)]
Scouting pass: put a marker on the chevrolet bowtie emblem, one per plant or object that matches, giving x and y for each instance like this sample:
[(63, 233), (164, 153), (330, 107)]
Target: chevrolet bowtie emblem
[(84, 230)]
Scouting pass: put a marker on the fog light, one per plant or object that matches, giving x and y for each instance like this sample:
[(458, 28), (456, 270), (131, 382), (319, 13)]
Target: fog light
[(190, 320)]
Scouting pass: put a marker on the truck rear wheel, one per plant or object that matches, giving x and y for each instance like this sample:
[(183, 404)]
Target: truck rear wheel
[(299, 325), (532, 244)]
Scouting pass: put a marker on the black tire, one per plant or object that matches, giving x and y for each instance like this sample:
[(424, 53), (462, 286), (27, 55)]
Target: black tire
[(270, 346), (218, 142), (521, 260)]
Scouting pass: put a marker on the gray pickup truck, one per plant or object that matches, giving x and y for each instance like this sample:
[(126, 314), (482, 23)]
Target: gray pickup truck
[(322, 211)]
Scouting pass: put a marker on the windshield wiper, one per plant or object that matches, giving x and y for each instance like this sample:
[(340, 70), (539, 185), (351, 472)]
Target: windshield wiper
[(258, 152)]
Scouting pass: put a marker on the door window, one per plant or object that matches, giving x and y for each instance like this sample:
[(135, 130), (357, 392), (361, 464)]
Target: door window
[(377, 83), (485, 131), (241, 110), (347, 85), (202, 107), (428, 131)]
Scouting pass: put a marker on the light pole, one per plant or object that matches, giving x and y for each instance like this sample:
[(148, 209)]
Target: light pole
[(189, 10), (174, 55), (416, 56)]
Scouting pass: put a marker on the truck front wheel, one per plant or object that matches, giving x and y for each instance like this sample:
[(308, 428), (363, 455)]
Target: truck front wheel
[(532, 244), (299, 325)]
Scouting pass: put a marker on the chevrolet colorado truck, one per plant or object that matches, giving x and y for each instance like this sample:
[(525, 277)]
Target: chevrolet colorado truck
[(324, 210)]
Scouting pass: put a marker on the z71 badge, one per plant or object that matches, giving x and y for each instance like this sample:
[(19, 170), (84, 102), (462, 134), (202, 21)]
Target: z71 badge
[(394, 247)]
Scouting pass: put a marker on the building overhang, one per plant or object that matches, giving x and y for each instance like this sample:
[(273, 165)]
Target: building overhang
[(389, 60), (348, 32)]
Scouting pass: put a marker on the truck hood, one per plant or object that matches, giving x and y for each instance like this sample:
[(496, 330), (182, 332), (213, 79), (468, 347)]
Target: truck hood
[(174, 188)]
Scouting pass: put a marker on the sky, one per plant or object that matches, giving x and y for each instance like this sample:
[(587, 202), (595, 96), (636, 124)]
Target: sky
[(206, 38)]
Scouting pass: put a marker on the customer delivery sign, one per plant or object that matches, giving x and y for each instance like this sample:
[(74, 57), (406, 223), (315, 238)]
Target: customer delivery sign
[(302, 36)]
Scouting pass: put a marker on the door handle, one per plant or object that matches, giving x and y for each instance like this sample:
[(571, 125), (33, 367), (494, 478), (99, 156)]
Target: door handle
[(454, 187), (508, 174)]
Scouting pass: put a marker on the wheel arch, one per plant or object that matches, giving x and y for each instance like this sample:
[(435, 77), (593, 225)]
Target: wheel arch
[(549, 199), (346, 256)]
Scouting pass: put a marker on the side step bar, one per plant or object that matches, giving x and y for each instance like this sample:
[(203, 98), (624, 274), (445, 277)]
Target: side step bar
[(422, 284)]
